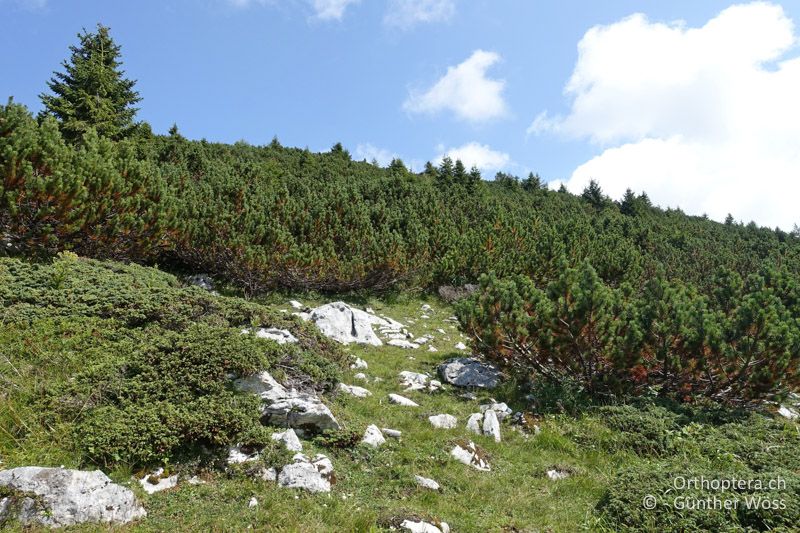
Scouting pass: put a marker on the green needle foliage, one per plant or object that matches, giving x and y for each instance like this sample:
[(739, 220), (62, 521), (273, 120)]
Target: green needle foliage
[(742, 347), (92, 91)]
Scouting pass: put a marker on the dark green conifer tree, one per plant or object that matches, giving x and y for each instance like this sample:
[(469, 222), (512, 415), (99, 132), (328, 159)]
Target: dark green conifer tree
[(92, 92)]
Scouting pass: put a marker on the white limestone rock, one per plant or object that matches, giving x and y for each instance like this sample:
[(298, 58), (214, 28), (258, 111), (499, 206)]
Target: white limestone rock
[(399, 343), (373, 436), (359, 364), (788, 412), (420, 526), (353, 390), (555, 474), (289, 440), (67, 497), (501, 409), (281, 336), (475, 423), (402, 400), (237, 455), (491, 425), (443, 421), (461, 346), (312, 475), (156, 482), (361, 377), (426, 483), (287, 408), (393, 433), (470, 456), (296, 305), (347, 325), (252, 503)]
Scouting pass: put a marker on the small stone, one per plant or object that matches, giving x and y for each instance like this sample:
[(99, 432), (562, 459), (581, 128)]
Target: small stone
[(236, 456), (289, 439), (788, 412), (470, 456), (359, 364), (474, 423), (413, 380), (426, 308), (361, 377), (419, 526), (403, 344), (358, 392), (296, 305), (252, 503), (402, 400), (154, 482), (194, 480), (555, 474), (491, 425), (432, 348), (394, 433), (501, 409), (373, 436), (426, 483), (443, 421), (268, 474), (281, 336)]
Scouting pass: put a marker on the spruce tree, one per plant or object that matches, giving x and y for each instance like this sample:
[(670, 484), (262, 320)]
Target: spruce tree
[(92, 92)]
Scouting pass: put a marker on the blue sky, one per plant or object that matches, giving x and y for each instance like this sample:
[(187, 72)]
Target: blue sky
[(485, 79)]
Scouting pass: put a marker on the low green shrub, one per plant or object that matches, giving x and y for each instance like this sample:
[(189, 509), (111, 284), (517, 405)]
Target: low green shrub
[(135, 368)]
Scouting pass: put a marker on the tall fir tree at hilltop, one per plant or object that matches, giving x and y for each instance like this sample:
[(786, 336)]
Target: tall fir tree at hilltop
[(93, 91)]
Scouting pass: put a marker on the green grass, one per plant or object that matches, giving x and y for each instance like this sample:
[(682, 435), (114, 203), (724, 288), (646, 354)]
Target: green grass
[(372, 486)]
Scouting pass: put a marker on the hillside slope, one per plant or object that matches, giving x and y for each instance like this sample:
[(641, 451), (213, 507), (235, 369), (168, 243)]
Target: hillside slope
[(122, 368)]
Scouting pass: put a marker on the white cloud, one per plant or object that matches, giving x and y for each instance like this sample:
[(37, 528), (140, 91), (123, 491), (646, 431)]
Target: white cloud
[(478, 155), (465, 90), (408, 13), (701, 118), (369, 152), (323, 9), (331, 9)]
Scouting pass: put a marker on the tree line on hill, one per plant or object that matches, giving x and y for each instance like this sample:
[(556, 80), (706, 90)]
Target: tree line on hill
[(84, 176)]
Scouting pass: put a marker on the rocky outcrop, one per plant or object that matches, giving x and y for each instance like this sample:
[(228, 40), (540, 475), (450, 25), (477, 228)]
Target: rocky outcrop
[(469, 372), (58, 497), (287, 408)]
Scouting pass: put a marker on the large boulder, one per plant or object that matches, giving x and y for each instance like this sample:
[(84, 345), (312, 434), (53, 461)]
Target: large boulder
[(346, 324), (57, 497), (469, 372), (287, 408)]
